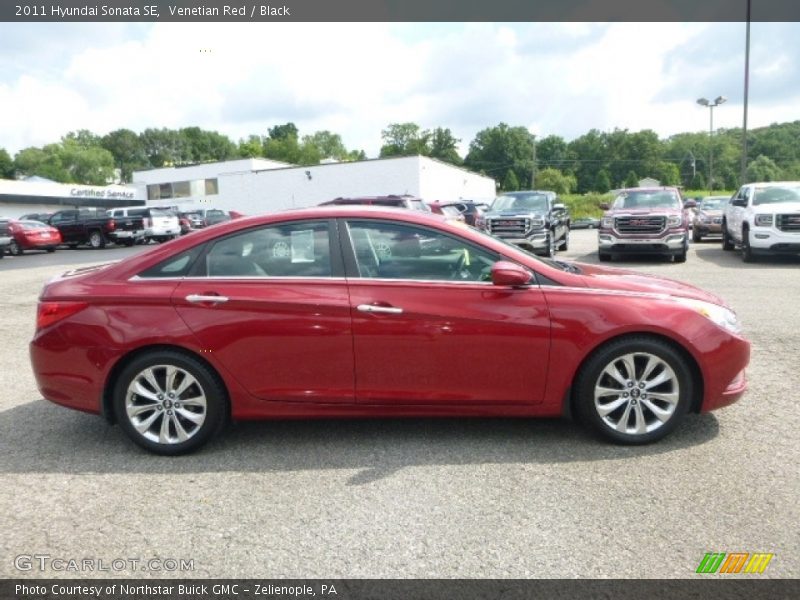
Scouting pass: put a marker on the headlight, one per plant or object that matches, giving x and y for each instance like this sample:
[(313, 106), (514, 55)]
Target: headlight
[(607, 223), (675, 221), (704, 219), (764, 220), (719, 315), (537, 223)]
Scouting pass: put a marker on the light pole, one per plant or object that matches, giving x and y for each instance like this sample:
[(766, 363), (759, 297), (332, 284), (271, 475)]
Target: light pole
[(704, 102)]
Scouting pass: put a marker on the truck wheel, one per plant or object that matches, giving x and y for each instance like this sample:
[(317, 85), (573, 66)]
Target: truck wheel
[(51, 249), (550, 245), (680, 258), (727, 242), (747, 251), (696, 237), (565, 242), (96, 239), (604, 256)]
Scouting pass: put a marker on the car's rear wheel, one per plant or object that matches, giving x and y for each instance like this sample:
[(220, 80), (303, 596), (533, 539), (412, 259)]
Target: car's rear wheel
[(634, 390), (747, 250), (14, 249), (96, 239), (727, 242), (168, 402)]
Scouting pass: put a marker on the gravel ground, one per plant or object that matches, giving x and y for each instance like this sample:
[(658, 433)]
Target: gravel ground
[(420, 497)]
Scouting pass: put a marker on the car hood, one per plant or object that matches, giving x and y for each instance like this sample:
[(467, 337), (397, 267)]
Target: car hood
[(513, 213), (778, 208), (709, 213), (609, 278), (624, 212)]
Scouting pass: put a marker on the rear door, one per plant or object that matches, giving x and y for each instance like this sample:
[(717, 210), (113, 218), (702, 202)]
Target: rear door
[(271, 304)]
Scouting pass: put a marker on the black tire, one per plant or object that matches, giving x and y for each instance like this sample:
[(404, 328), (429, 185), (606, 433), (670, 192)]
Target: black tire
[(727, 242), (565, 242), (747, 251), (51, 249), (206, 383), (96, 239), (550, 245), (696, 237), (129, 242), (680, 258), (604, 257), (14, 248), (72, 245), (679, 385)]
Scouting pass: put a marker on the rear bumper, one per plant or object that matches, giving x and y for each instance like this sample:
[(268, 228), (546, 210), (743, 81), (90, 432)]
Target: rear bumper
[(126, 235)]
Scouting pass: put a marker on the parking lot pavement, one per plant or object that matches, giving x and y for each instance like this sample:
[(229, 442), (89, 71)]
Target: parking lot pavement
[(418, 497)]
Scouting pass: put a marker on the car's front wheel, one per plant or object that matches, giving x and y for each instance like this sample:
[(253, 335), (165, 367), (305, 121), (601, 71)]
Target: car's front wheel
[(747, 251), (727, 242), (169, 403), (550, 245), (634, 390)]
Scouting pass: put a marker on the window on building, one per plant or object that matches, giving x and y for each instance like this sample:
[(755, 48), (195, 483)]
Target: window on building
[(153, 192), (165, 190), (181, 189), (212, 187)]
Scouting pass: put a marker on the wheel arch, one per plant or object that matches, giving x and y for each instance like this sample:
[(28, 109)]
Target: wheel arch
[(108, 386), (698, 391)]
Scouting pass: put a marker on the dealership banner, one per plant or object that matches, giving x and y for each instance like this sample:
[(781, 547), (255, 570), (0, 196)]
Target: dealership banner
[(395, 589), (399, 10)]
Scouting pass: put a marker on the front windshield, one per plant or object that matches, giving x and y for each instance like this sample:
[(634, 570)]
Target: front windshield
[(537, 202), (647, 199), (713, 203), (777, 194)]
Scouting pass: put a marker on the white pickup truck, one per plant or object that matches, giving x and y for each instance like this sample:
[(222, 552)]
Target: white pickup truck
[(763, 218)]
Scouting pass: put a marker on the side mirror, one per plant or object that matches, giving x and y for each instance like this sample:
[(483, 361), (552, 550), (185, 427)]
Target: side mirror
[(507, 273), (604, 206), (690, 204), (739, 202)]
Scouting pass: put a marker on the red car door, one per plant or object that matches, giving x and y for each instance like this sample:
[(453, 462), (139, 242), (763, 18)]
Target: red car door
[(428, 326), (271, 307)]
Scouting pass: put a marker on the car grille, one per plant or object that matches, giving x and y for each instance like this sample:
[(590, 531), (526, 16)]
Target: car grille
[(509, 227), (788, 222), (640, 224)]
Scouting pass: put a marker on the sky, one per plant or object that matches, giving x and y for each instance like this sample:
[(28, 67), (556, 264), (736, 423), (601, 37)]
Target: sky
[(355, 79)]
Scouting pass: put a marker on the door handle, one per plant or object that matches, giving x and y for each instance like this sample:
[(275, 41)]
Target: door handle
[(198, 298), (379, 309)]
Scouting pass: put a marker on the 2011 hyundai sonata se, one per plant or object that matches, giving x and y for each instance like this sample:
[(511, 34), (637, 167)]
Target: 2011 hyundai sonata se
[(354, 312)]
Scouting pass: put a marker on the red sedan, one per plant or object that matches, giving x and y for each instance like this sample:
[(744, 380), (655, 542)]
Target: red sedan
[(355, 311), (32, 235)]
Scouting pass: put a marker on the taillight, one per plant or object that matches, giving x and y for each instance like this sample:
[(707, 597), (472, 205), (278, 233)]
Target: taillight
[(112, 224), (48, 313)]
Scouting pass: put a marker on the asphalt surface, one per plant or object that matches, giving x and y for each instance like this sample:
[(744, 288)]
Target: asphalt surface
[(414, 498)]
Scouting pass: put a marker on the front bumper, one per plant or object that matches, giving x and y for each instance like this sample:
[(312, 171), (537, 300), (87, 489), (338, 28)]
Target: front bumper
[(534, 241), (708, 228), (671, 243), (770, 239)]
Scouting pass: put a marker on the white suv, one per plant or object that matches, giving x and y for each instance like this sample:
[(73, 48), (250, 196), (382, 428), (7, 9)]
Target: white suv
[(763, 218), (159, 224)]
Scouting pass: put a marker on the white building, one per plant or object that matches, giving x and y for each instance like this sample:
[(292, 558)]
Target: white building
[(37, 195), (253, 186)]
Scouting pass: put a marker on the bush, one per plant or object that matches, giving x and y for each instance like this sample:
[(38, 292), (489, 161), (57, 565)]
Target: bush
[(585, 205)]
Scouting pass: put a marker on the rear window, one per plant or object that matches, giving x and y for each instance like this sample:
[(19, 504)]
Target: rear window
[(215, 213), (157, 212)]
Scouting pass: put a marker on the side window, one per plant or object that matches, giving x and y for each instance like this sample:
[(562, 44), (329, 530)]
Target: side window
[(174, 266), (286, 250), (392, 251)]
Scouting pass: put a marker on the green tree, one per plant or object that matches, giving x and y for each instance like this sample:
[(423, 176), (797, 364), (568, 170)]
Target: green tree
[(252, 147), (6, 165), (41, 162), (128, 151), (602, 183), (510, 182), (498, 149), (589, 153), (763, 168), (631, 180), (92, 165), (281, 132), (552, 151), (206, 146), (405, 139), (164, 147), (444, 146), (555, 180)]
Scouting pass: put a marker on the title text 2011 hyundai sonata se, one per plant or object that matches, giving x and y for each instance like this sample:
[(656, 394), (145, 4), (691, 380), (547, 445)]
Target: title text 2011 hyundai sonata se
[(353, 312)]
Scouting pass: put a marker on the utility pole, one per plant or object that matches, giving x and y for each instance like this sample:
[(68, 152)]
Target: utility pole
[(746, 93), (533, 168)]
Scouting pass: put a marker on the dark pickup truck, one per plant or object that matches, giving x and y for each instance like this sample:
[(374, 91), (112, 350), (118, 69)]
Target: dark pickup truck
[(94, 227)]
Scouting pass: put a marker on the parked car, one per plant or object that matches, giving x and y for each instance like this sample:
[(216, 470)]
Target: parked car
[(5, 236), (645, 221), (205, 217), (763, 218), (296, 314), (448, 211), (32, 235), (472, 211), (41, 217), (534, 220), (707, 217), (160, 224), (185, 223), (406, 201), (94, 227)]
